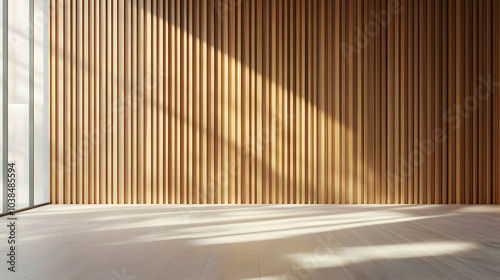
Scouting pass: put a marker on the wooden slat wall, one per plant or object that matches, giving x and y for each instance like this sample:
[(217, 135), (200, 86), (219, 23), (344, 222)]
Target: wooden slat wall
[(287, 101)]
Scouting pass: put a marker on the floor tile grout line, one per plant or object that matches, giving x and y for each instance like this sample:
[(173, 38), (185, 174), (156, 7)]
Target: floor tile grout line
[(206, 261), (291, 271), (342, 247)]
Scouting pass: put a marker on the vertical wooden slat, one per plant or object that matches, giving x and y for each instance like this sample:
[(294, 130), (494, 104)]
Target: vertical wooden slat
[(265, 100), (238, 102), (444, 99), (232, 170), (244, 102), (414, 159), (218, 104), (467, 95), (176, 111), (249, 152), (153, 104), (310, 103), (359, 108), (79, 89), (259, 102), (115, 78), (141, 194), (97, 103), (481, 108), (60, 30), (368, 105), (91, 102), (396, 111), (459, 97), (378, 94), (109, 105), (74, 95), (451, 103), (291, 103), (285, 115), (343, 105), (297, 13), (278, 125), (225, 107), (496, 104), (487, 78), (172, 113), (160, 106), (182, 100), (322, 103), (272, 108), (101, 120), (120, 101), (314, 105), (391, 117), (256, 33), (368, 111), (148, 102), (128, 102), (330, 99), (422, 116), (404, 93), (302, 107), (211, 107), (428, 103), (195, 101), (384, 108), (85, 94), (134, 102), (410, 159), (475, 116), (438, 68), (66, 184), (167, 128), (203, 88), (189, 84)]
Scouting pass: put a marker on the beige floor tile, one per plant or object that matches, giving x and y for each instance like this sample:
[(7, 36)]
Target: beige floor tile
[(257, 242)]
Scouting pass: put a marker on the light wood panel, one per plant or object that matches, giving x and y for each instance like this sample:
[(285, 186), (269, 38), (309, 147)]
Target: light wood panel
[(287, 101)]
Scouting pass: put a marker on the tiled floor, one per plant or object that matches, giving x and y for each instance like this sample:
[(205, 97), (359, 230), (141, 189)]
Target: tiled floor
[(256, 242)]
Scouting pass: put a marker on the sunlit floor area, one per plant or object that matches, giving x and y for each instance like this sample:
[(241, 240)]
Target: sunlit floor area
[(257, 242)]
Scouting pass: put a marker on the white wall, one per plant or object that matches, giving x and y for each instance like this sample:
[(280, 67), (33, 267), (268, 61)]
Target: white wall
[(18, 78), (19, 96), (41, 100), (2, 149)]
